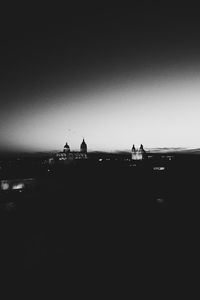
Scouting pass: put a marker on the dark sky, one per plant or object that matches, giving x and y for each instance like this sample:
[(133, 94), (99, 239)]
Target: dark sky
[(80, 58), (49, 41)]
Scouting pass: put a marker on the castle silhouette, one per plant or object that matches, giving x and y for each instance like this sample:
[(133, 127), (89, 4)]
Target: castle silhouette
[(67, 155), (138, 154)]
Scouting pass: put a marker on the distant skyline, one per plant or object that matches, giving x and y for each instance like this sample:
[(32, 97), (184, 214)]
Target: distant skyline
[(115, 76)]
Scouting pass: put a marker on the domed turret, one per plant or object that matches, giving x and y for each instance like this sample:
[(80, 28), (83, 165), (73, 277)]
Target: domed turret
[(133, 152), (142, 152), (66, 148), (138, 154), (83, 147)]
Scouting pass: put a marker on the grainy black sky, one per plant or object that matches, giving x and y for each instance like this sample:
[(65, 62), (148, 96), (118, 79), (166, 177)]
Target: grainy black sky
[(99, 71)]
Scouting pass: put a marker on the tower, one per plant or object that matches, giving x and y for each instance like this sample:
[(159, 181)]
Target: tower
[(66, 148), (133, 153), (142, 152), (83, 147), (138, 154)]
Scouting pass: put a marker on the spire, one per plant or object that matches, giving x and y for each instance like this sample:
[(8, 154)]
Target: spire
[(83, 147), (133, 148), (141, 147), (142, 152)]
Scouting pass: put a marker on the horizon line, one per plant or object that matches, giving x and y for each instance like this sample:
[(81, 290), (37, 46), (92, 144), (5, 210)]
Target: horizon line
[(152, 149)]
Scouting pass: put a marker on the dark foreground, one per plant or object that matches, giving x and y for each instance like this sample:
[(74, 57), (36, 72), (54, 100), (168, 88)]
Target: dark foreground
[(86, 228)]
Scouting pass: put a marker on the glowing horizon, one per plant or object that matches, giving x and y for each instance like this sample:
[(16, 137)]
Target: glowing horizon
[(115, 76), (152, 111)]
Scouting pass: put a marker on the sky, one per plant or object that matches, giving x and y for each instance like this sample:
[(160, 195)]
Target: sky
[(116, 76)]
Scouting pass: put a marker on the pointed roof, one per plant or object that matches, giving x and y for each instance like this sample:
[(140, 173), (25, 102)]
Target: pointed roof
[(141, 147), (83, 146), (133, 148), (83, 142)]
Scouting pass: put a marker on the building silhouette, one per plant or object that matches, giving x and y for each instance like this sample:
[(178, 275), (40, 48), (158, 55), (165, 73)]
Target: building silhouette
[(138, 154), (66, 148), (83, 147), (133, 152), (66, 156)]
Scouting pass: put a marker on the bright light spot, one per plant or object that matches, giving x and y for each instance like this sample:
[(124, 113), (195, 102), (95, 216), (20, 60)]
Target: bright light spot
[(4, 185), (137, 156), (159, 168), (18, 186), (100, 159)]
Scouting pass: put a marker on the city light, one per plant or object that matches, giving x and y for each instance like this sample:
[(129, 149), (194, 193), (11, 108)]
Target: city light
[(18, 186), (159, 168), (4, 185)]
